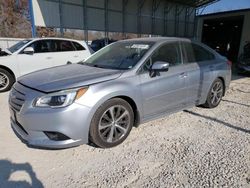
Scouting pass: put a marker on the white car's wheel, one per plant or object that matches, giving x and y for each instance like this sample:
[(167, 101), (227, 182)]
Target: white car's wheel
[(6, 80)]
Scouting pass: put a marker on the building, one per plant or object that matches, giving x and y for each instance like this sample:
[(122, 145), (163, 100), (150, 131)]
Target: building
[(227, 32), (140, 17)]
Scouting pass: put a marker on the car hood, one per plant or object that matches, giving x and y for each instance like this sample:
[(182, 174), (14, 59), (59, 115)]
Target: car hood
[(66, 77), (4, 52)]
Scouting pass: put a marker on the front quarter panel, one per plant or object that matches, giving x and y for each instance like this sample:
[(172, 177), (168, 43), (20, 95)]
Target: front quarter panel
[(97, 94), (11, 63)]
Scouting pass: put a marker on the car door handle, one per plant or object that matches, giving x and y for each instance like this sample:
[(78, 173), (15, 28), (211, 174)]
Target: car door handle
[(48, 57), (183, 75), (76, 56)]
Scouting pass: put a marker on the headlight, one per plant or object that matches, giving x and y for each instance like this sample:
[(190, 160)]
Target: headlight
[(59, 99)]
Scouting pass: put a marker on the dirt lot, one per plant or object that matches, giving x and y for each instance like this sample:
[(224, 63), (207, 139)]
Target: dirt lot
[(193, 148)]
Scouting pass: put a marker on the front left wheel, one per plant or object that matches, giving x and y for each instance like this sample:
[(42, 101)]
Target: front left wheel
[(111, 123)]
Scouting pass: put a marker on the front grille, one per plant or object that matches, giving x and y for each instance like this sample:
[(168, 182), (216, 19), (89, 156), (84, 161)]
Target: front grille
[(17, 99)]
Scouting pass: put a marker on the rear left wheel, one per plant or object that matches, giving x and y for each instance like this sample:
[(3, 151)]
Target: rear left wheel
[(215, 94), (112, 123)]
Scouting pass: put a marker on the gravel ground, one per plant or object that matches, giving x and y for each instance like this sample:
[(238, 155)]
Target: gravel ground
[(193, 148)]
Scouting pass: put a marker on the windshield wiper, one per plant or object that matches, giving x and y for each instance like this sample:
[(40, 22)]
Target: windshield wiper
[(99, 66), (92, 65), (81, 63), (84, 63)]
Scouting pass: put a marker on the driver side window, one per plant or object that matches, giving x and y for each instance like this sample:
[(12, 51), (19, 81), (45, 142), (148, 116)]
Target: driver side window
[(168, 53), (42, 46)]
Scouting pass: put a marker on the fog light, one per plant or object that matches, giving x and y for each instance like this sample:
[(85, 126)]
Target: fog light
[(56, 136)]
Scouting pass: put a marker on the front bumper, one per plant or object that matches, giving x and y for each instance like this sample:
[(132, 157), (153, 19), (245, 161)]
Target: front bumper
[(31, 124)]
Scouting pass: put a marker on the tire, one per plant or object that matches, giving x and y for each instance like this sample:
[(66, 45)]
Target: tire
[(107, 130), (6, 80), (215, 94)]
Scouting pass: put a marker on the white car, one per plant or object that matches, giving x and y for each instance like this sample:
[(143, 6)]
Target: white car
[(30, 55)]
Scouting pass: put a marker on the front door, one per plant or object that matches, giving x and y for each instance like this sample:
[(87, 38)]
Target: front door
[(41, 59), (166, 92)]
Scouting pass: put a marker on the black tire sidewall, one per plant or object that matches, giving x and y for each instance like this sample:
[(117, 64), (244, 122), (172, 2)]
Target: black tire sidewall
[(208, 101), (94, 133), (11, 80)]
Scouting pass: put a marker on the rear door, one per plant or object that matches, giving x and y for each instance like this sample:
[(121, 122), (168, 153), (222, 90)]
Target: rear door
[(64, 52), (166, 91), (81, 52), (199, 66)]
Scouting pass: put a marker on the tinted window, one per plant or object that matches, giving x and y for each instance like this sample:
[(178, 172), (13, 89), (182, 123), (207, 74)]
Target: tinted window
[(61, 46), (195, 53), (189, 52), (41, 46), (169, 53), (78, 46), (202, 54)]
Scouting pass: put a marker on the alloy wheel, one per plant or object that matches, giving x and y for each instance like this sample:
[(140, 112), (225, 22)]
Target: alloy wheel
[(216, 93), (114, 124), (4, 81)]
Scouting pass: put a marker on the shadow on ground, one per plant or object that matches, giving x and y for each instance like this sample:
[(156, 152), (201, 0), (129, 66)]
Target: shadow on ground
[(219, 121), (235, 103), (7, 168)]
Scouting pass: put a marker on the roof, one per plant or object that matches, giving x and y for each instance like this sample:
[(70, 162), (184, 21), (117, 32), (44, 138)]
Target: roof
[(226, 12), (52, 38), (158, 39), (194, 3)]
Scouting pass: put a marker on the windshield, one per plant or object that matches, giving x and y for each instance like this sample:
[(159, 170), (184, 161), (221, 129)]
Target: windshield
[(18, 45), (120, 55)]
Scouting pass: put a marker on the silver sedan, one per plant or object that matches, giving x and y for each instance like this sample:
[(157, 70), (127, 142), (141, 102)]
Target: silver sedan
[(123, 85)]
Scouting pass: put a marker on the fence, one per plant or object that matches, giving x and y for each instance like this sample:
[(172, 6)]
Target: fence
[(8, 42)]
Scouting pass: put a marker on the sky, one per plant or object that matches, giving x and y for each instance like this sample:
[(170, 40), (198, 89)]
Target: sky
[(226, 5)]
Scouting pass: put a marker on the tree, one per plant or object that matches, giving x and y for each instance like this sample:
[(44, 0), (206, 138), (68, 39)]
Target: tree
[(14, 19)]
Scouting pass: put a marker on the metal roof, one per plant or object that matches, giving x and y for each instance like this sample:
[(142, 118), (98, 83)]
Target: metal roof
[(226, 12), (194, 3)]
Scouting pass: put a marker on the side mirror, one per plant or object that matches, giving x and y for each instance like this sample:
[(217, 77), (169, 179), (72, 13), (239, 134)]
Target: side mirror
[(28, 50), (158, 66)]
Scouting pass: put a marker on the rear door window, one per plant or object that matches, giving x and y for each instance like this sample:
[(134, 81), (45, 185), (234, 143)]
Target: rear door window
[(201, 54), (189, 52), (196, 53), (62, 46), (78, 46)]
